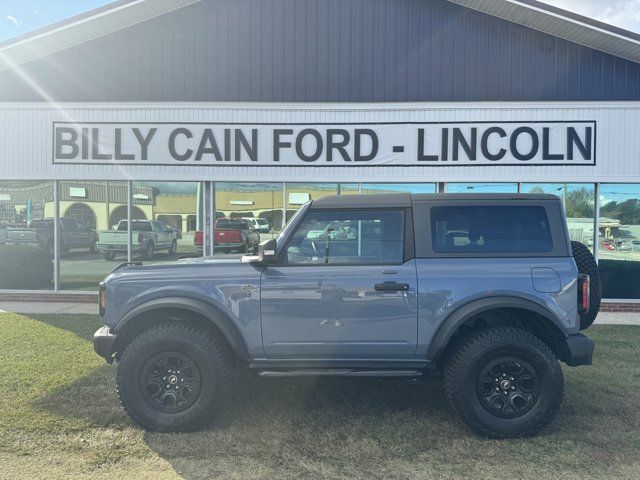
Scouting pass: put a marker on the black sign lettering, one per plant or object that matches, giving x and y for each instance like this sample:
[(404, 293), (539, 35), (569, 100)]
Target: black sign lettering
[(144, 141), (421, 155), (358, 135), (66, 137), (535, 142), (172, 144), (484, 144)]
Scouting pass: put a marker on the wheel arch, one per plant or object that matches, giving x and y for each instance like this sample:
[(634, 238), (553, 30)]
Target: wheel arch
[(542, 322), (183, 309)]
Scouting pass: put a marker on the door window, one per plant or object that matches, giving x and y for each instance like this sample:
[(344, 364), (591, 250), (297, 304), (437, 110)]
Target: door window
[(363, 237)]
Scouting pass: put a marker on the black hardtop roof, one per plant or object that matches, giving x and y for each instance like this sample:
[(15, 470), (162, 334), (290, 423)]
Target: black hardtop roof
[(379, 200)]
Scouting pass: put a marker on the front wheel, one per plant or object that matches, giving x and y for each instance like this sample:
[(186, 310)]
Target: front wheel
[(171, 376), (504, 382)]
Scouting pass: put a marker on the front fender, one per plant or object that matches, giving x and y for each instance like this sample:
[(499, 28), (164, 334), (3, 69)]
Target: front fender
[(473, 308), (211, 312)]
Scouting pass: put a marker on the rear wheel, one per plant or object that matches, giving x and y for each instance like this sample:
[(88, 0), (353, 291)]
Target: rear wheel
[(504, 382), (586, 263), (109, 255), (170, 376), (148, 252), (174, 248)]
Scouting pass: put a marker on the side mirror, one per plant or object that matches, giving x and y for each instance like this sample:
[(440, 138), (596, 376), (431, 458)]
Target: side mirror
[(268, 251)]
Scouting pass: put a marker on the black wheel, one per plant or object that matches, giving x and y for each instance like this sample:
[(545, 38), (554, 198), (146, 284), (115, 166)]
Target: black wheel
[(503, 382), (92, 248), (148, 252), (174, 248), (586, 263), (109, 255), (171, 376)]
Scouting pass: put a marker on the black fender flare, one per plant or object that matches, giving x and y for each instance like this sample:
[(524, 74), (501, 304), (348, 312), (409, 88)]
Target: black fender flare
[(473, 308), (210, 312)]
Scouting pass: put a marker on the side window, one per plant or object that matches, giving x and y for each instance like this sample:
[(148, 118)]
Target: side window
[(160, 227), (365, 237), (490, 229)]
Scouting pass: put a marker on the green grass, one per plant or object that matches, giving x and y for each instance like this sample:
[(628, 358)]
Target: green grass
[(60, 418)]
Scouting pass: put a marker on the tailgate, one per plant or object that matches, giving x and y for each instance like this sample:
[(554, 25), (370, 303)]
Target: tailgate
[(111, 237), (227, 235)]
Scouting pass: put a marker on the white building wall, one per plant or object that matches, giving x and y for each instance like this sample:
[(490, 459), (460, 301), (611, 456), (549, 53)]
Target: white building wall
[(26, 140)]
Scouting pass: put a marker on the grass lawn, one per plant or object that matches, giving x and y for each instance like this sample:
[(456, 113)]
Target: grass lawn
[(60, 418)]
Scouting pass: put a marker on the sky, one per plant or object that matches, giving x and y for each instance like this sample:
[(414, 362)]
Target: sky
[(21, 16)]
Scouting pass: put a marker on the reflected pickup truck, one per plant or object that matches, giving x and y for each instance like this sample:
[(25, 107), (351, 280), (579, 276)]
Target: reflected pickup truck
[(231, 234), (487, 289), (40, 232), (147, 237)]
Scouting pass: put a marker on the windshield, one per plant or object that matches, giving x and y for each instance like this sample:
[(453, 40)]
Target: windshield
[(138, 226), (287, 229), (235, 224)]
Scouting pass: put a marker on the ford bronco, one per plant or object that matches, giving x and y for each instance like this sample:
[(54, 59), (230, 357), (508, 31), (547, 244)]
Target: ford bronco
[(487, 289)]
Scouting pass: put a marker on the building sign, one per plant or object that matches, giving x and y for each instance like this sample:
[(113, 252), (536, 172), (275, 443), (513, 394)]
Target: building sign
[(366, 144)]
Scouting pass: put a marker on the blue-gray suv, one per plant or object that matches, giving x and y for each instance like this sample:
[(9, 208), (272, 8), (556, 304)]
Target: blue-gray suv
[(487, 289)]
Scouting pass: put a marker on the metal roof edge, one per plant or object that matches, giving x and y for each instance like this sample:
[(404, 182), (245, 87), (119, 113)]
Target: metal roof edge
[(563, 24), (82, 28)]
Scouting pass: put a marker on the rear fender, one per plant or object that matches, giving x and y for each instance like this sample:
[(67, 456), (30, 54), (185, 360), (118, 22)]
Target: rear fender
[(470, 310)]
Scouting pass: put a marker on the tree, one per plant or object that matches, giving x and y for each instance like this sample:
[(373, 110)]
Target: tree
[(579, 203)]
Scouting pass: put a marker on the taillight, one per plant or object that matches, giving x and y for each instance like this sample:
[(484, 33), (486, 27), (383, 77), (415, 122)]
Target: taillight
[(197, 238), (584, 287)]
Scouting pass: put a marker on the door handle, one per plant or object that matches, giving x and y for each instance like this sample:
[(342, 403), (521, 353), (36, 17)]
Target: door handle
[(392, 287)]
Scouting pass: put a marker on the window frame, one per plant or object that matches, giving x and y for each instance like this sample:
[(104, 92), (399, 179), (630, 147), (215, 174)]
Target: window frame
[(407, 240), (422, 221)]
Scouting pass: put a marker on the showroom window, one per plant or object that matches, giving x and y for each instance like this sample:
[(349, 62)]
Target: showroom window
[(169, 205), (481, 188), (26, 235), (259, 202), (619, 240), (297, 194), (579, 204), (398, 188)]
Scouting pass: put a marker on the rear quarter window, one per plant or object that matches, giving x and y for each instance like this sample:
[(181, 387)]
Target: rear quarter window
[(486, 229)]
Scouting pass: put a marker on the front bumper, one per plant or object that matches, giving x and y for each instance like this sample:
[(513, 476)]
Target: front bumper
[(579, 350), (103, 341)]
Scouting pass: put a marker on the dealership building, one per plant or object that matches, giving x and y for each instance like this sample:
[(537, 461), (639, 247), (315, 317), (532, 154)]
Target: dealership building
[(188, 110)]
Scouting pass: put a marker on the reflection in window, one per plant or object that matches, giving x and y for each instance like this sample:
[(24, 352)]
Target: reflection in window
[(175, 207), (398, 188), (579, 205), (348, 237), (619, 244), (259, 202), (297, 194), (482, 188), (26, 235)]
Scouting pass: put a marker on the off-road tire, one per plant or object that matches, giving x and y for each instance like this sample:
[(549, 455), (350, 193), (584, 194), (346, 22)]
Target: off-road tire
[(586, 263), (109, 255), (473, 353), (207, 353)]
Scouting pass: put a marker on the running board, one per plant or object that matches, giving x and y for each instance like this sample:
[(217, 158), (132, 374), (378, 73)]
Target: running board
[(339, 373)]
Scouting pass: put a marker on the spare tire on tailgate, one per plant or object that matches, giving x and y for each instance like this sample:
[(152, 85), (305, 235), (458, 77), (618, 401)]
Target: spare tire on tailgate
[(587, 264)]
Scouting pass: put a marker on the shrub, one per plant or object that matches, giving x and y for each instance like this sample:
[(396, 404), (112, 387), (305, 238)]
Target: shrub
[(25, 268)]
